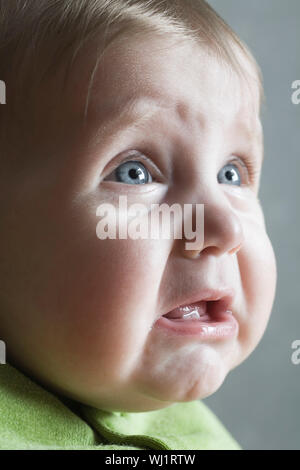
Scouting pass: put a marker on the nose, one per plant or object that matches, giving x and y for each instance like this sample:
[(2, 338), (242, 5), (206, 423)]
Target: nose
[(222, 231)]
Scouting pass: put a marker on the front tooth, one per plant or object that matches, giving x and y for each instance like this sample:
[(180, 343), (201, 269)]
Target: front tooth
[(194, 314)]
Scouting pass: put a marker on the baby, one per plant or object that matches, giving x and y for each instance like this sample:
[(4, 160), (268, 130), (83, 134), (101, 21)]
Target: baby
[(110, 341)]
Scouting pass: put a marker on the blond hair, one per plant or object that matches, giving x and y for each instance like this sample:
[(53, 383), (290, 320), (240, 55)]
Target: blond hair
[(37, 36)]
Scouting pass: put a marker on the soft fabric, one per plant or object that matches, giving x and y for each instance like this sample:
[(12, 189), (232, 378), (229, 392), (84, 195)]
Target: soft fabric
[(33, 418)]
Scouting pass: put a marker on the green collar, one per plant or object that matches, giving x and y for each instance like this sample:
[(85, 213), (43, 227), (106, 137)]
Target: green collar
[(31, 417)]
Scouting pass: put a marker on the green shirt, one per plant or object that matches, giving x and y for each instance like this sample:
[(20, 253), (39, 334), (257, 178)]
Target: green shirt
[(33, 418)]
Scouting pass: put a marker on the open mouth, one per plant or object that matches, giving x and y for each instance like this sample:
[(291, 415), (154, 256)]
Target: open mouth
[(209, 319), (205, 311)]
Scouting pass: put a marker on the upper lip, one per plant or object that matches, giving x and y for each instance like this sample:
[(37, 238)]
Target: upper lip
[(223, 298)]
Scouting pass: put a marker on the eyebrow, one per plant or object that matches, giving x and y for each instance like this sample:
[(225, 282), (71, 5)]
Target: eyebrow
[(139, 110)]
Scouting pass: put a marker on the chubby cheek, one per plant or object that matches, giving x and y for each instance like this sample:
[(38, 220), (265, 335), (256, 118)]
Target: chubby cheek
[(257, 265), (108, 300)]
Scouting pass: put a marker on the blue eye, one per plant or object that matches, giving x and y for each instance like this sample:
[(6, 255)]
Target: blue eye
[(132, 172), (230, 174)]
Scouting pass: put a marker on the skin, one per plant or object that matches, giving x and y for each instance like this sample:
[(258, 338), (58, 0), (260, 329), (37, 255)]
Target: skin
[(77, 311)]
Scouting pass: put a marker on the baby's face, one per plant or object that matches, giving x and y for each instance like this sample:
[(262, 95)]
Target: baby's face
[(82, 314)]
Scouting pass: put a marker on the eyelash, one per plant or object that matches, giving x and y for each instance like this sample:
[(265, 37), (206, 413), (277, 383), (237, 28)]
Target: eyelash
[(137, 156), (245, 162)]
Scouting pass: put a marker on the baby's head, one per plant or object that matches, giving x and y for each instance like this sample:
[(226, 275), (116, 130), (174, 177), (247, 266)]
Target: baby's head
[(157, 101)]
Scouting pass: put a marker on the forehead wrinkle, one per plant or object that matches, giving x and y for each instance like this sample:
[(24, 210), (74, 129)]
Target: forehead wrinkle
[(251, 134), (130, 116), (137, 111)]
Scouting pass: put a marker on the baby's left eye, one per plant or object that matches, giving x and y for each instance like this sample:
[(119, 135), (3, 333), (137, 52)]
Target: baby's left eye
[(230, 174)]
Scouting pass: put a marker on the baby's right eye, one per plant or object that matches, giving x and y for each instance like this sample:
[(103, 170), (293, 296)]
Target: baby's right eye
[(131, 172)]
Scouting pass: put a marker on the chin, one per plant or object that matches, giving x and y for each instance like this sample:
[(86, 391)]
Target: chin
[(205, 385), (203, 390), (202, 387)]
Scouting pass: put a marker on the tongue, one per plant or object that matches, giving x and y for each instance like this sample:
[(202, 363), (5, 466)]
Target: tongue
[(192, 312)]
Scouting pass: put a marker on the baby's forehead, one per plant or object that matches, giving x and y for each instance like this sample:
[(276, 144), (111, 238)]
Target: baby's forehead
[(139, 85), (183, 83)]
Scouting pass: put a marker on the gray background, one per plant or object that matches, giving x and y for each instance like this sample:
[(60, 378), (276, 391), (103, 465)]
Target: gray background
[(260, 400)]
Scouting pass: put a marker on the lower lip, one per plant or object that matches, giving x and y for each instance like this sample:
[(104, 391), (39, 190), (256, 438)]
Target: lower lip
[(222, 327)]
